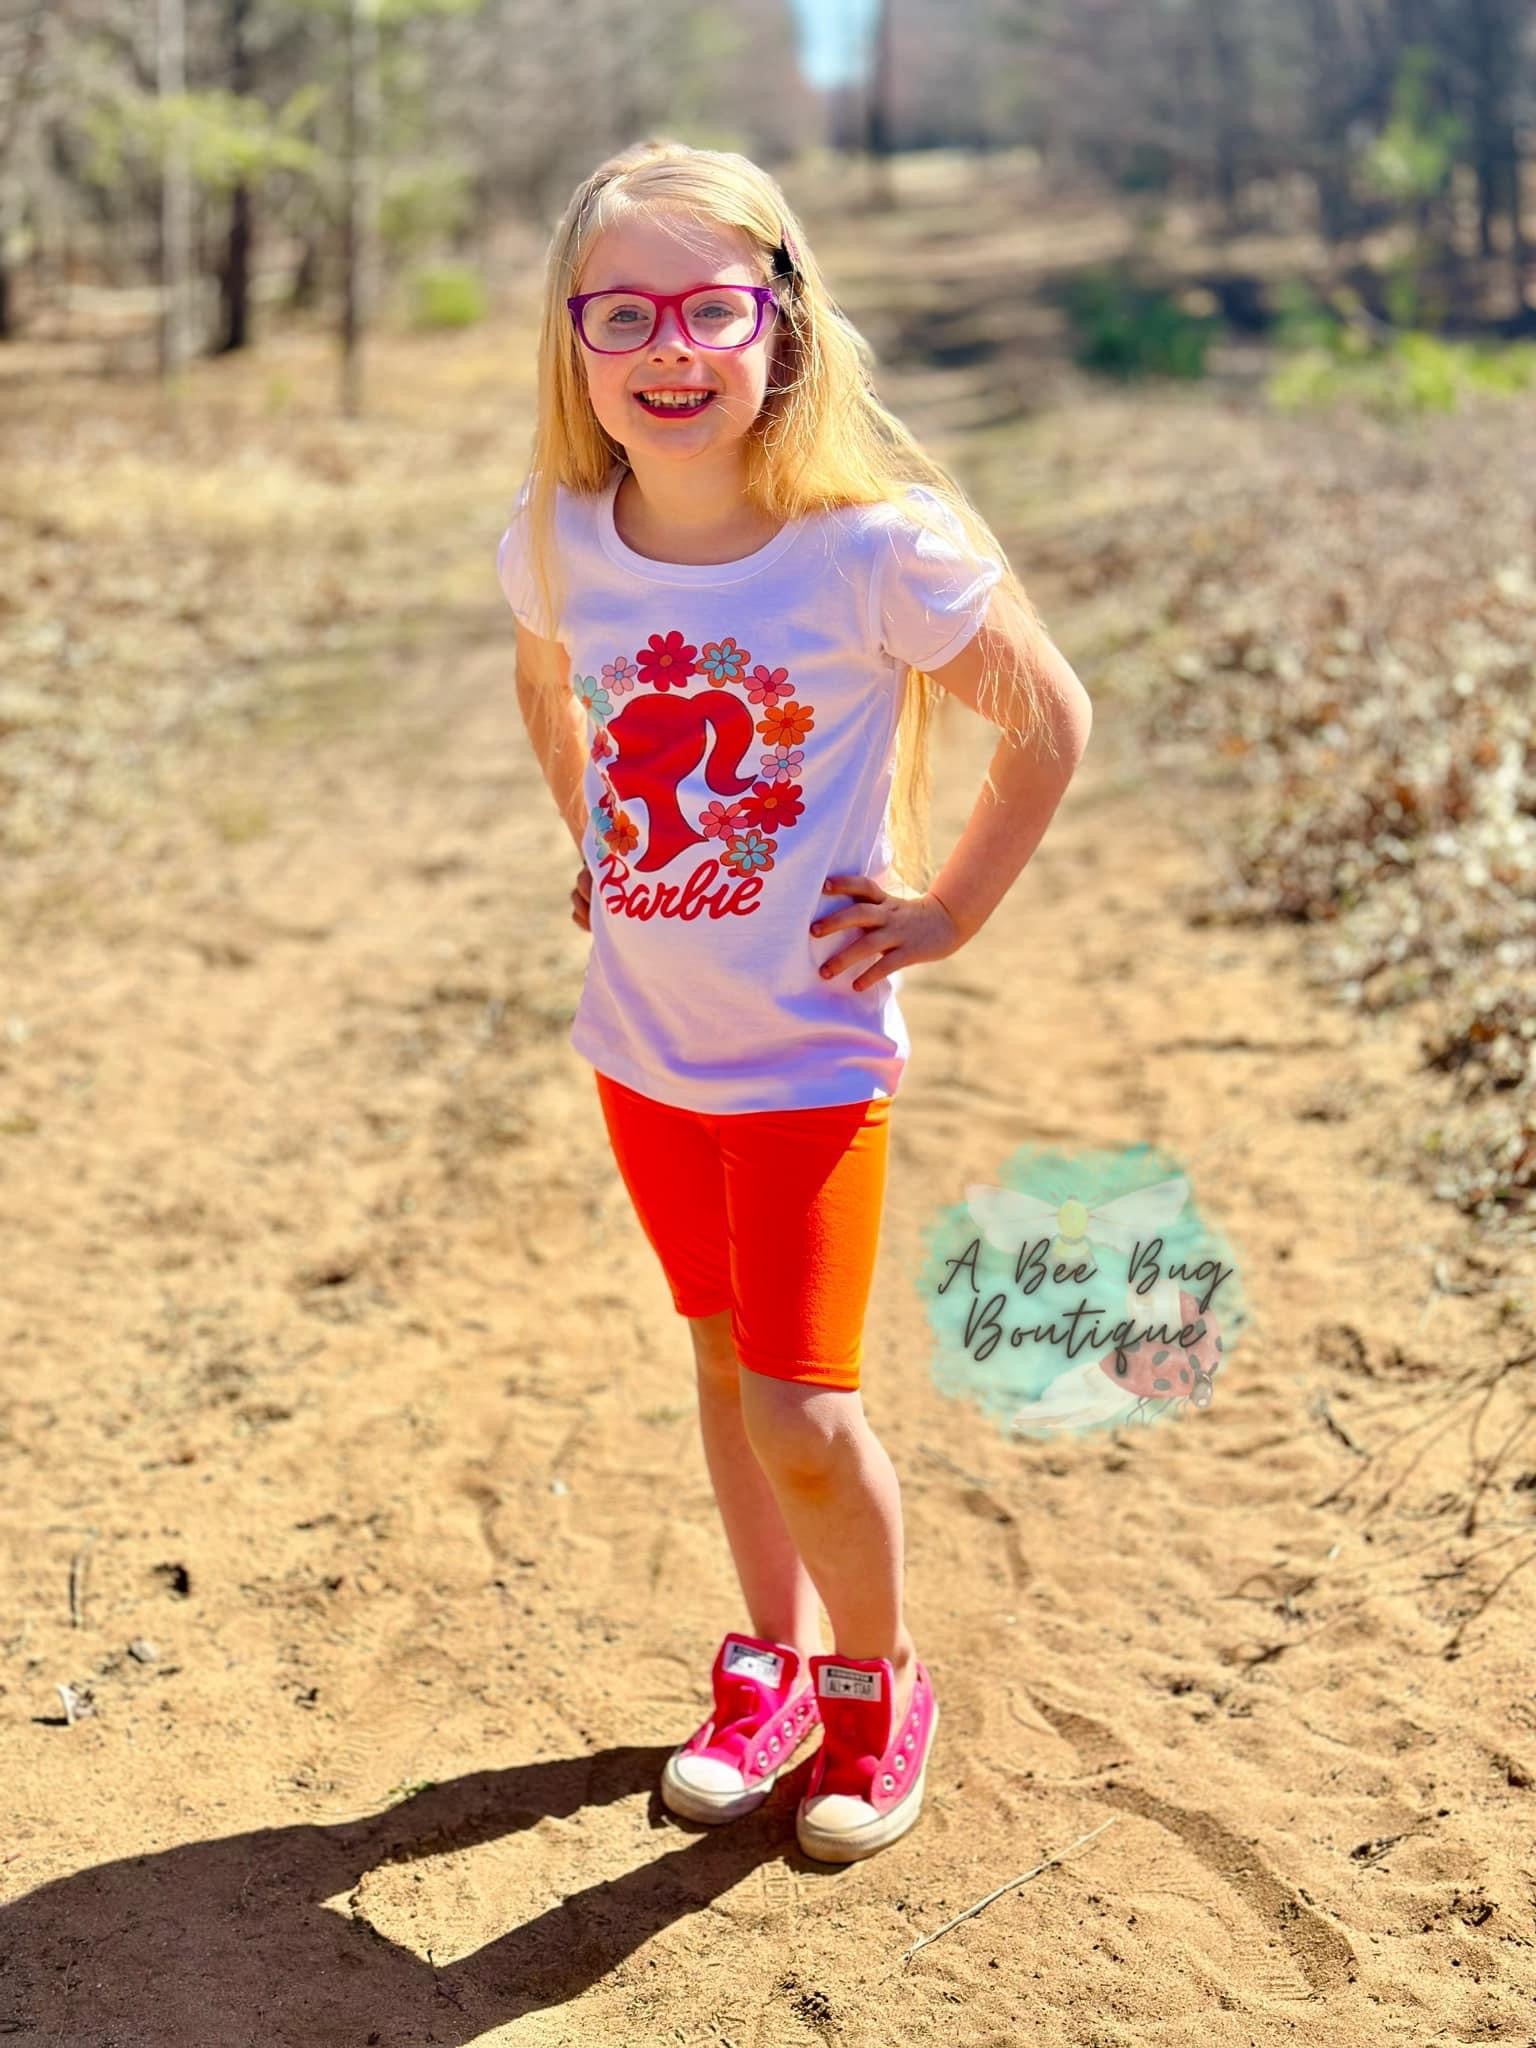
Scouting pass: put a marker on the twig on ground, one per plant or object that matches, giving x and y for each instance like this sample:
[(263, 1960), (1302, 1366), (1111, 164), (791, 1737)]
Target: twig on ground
[(1452, 1396), (1326, 1416), (1491, 1467), (77, 1582), (1009, 1886), (1453, 1641)]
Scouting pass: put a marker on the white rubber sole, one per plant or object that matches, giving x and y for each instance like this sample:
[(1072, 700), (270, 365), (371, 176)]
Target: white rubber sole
[(712, 1808), (849, 1846)]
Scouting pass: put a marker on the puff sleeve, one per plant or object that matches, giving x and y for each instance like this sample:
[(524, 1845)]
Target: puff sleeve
[(928, 597), (514, 571)]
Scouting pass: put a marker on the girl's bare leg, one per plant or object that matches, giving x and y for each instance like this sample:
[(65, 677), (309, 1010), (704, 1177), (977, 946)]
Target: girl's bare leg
[(779, 1592), (841, 1503)]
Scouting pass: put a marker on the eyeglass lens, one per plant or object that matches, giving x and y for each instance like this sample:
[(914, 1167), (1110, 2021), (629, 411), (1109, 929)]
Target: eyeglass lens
[(717, 318)]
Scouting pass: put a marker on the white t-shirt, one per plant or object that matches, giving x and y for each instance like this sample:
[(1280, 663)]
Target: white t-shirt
[(742, 720)]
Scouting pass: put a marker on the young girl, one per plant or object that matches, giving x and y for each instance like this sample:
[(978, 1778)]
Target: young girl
[(740, 589)]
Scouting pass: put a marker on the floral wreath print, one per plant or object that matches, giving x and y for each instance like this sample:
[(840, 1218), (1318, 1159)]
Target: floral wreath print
[(744, 829)]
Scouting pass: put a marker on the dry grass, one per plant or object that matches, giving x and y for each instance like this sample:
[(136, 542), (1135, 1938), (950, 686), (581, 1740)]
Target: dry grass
[(1323, 636), (244, 566)]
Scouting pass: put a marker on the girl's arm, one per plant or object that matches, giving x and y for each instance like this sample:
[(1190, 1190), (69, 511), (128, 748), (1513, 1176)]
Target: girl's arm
[(1009, 820), (556, 723)]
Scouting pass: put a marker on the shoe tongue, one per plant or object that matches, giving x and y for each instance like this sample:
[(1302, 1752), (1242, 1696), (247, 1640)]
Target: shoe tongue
[(750, 1660), (857, 1723), (849, 1682)]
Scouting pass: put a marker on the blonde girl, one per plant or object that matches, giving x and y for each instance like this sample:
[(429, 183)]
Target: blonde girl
[(741, 589)]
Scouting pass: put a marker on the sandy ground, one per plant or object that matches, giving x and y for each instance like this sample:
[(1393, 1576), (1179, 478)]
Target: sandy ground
[(341, 1383)]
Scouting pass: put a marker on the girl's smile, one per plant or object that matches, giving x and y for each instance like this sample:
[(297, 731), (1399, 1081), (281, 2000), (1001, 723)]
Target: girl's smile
[(674, 403)]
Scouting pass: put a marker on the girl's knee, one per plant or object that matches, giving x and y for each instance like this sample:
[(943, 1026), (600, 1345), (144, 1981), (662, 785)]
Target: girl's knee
[(798, 1429)]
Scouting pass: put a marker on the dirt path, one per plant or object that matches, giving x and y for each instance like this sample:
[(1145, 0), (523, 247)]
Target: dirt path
[(333, 1346)]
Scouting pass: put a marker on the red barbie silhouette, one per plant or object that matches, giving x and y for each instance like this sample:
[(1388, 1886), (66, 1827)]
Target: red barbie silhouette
[(661, 740)]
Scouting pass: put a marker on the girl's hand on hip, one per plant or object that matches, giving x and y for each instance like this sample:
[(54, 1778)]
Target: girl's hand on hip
[(581, 899), (894, 931)]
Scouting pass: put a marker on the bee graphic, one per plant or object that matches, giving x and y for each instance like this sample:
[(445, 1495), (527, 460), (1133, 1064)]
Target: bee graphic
[(1005, 1218)]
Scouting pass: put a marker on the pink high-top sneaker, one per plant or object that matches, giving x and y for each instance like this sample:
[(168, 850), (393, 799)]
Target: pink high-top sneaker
[(765, 1707), (866, 1786)]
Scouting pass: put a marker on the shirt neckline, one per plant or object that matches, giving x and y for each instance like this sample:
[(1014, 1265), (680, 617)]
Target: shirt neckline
[(699, 573)]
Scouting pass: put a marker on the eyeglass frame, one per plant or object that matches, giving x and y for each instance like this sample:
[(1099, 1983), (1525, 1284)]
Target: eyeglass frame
[(765, 294)]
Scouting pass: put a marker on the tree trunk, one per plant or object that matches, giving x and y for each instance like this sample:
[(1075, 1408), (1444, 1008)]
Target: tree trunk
[(1484, 38), (359, 236), (175, 198), (1519, 245), (877, 126), (1329, 144), (1230, 116), (25, 83), (239, 249), (305, 291), (235, 272), (1494, 54)]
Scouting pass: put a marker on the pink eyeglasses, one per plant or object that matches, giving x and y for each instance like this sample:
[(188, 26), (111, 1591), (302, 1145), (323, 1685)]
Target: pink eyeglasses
[(715, 316)]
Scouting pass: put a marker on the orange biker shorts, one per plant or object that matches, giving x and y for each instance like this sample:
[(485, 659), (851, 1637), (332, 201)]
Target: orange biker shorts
[(772, 1214)]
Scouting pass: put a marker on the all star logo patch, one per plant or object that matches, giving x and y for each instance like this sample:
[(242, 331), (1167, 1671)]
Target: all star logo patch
[(759, 1664), (843, 1682)]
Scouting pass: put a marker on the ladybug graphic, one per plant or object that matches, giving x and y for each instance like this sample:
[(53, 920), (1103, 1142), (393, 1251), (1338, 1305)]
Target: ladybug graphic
[(1158, 1369), (1135, 1385)]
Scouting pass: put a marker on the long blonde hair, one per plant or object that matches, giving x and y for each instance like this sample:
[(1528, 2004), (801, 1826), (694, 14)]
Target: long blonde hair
[(821, 440)]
